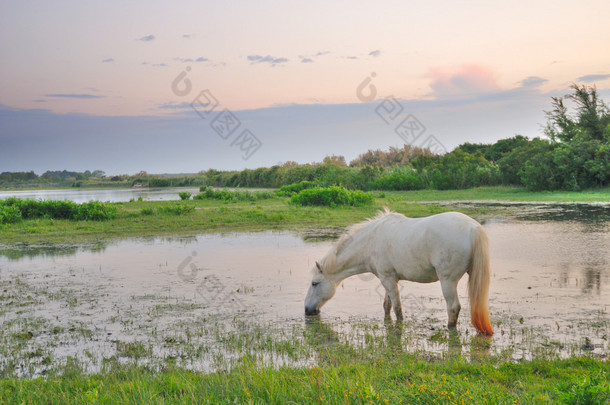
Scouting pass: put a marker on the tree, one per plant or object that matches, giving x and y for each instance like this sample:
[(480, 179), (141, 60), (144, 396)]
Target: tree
[(591, 121)]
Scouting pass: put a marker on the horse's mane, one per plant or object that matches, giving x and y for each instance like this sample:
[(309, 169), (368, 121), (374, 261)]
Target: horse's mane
[(329, 261)]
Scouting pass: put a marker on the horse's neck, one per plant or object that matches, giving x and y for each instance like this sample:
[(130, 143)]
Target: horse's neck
[(351, 259)]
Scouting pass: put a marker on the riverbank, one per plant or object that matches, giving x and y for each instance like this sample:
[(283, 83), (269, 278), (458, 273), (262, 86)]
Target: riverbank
[(157, 218)]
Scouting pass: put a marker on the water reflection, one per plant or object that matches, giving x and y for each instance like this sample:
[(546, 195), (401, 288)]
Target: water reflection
[(13, 253)]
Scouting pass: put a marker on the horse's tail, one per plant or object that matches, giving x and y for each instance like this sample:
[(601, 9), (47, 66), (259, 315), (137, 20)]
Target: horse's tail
[(478, 283)]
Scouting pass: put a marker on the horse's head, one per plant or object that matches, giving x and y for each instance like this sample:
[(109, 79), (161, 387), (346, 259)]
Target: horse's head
[(321, 289)]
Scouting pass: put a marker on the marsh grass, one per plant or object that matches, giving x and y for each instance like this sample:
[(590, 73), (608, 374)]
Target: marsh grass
[(241, 211), (240, 358)]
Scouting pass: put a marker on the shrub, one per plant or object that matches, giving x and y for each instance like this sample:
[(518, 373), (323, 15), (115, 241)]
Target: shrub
[(147, 211), (331, 197), (95, 211), (9, 214), (59, 209), (184, 195), (290, 189), (400, 179)]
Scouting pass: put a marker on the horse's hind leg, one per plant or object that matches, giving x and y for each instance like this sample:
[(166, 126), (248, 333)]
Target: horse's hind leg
[(392, 298), (453, 302), (387, 305)]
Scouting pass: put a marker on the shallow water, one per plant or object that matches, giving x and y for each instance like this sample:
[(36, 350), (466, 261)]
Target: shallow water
[(81, 195), (550, 285)]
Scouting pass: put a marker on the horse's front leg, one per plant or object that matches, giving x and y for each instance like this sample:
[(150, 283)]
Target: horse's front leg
[(392, 299)]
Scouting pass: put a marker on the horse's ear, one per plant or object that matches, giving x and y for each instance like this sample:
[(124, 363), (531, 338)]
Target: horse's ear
[(319, 267)]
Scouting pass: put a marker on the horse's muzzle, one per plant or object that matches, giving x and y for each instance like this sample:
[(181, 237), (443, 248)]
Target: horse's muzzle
[(311, 311)]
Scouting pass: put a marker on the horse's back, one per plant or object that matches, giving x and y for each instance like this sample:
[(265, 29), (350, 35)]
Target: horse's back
[(423, 249)]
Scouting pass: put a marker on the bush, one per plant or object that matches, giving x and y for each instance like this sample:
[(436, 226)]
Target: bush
[(331, 197), (95, 211), (399, 179), (59, 209), (290, 189), (147, 211), (184, 195), (9, 214)]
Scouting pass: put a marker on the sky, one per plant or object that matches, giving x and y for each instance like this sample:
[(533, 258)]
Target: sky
[(187, 86)]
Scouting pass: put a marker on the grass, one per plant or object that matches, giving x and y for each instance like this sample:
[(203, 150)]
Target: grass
[(386, 378), (507, 193), (152, 218)]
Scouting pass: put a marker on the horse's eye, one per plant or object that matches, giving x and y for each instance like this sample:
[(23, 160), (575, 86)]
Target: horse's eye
[(314, 283)]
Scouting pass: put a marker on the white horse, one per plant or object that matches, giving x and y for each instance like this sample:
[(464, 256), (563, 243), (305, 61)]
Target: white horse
[(393, 247)]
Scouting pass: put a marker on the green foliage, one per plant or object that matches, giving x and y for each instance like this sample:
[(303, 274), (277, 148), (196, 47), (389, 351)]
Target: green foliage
[(400, 178), (512, 163), (589, 389), (331, 197), (95, 211), (290, 189), (60, 209), (459, 169), (175, 209), (184, 195), (147, 211), (233, 196), (539, 172), (9, 214)]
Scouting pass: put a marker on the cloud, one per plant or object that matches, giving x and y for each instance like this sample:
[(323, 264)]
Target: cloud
[(593, 78), (532, 81), (266, 59), (467, 80), (375, 53), (312, 58), (184, 60), (68, 95), (175, 106), (159, 65), (351, 57), (108, 60), (146, 38), (201, 59), (189, 36)]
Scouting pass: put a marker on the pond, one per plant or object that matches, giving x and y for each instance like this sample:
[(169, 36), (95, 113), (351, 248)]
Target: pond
[(196, 300)]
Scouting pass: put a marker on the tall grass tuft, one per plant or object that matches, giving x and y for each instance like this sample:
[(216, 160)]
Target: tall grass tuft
[(233, 196)]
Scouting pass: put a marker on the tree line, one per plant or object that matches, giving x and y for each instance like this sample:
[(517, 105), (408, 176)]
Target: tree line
[(574, 155)]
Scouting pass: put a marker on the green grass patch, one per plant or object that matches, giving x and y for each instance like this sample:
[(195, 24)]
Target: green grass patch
[(398, 379), (208, 193), (244, 210)]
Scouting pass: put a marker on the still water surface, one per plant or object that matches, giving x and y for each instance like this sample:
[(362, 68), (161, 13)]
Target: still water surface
[(81, 195), (550, 281)]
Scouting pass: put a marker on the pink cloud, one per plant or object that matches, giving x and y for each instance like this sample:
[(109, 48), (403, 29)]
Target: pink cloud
[(463, 81)]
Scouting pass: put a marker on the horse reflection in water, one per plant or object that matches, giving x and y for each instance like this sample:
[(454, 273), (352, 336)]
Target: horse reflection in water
[(393, 247)]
